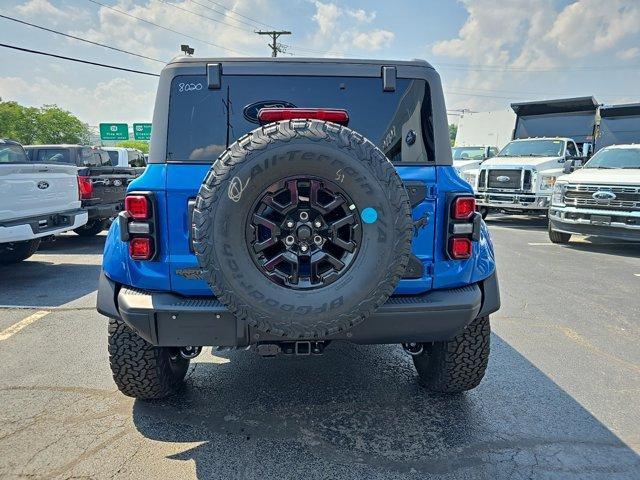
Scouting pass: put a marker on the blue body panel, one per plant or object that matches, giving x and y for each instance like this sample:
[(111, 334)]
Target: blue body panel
[(175, 184)]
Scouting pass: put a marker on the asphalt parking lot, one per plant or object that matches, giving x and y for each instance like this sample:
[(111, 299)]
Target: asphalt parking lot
[(561, 398)]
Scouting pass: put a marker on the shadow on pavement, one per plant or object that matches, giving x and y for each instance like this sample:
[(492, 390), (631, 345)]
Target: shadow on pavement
[(72, 244), (44, 280), (519, 222), (357, 412), (606, 246), (35, 283)]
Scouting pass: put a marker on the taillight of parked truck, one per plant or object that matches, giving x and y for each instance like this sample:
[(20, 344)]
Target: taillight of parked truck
[(85, 187)]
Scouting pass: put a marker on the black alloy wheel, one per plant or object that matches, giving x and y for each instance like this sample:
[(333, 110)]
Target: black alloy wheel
[(304, 232)]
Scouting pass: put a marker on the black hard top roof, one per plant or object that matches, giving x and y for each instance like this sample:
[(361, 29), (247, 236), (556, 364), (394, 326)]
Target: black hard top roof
[(348, 61), (560, 105), (623, 110)]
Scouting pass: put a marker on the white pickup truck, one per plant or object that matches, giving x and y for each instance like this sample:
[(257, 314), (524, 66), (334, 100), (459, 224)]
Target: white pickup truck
[(521, 177), (38, 200), (600, 199)]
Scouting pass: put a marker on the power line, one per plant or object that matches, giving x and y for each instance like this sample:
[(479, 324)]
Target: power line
[(256, 22), (78, 60), (498, 68), (204, 16), (166, 28), (81, 39)]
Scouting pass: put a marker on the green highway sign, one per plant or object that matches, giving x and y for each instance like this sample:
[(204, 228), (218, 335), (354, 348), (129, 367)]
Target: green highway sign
[(142, 131), (114, 131)]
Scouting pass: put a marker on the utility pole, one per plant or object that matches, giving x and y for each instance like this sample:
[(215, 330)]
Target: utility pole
[(275, 46)]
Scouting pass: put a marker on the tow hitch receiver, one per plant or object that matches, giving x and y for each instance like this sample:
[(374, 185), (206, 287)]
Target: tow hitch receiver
[(302, 348)]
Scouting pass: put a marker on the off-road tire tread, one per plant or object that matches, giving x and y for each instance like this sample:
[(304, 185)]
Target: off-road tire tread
[(25, 249), (216, 183), (459, 364), (139, 369)]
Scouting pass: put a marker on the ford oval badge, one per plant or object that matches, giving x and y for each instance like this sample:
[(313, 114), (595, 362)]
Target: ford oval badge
[(503, 178), (42, 185), (604, 195), (251, 111)]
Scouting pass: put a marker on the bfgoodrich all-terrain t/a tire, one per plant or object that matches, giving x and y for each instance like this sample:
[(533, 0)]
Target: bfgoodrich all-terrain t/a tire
[(272, 180), (141, 370), (458, 364)]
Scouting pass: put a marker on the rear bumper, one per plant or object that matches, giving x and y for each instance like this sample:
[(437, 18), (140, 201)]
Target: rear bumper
[(513, 201), (167, 319), (109, 210), (622, 225), (41, 226)]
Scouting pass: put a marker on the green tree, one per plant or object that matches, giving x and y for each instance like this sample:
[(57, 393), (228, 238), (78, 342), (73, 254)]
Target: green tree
[(141, 145), (453, 130), (54, 125), (48, 124), (17, 122)]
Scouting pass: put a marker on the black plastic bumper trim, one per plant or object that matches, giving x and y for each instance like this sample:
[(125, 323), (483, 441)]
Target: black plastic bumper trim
[(166, 319)]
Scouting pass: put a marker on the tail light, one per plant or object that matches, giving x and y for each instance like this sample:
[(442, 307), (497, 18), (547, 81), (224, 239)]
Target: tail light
[(137, 206), (463, 208), (268, 115), (141, 248), (463, 226), (460, 248), (137, 225), (85, 187)]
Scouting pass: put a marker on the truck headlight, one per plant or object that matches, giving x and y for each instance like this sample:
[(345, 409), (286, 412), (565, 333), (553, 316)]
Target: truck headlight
[(470, 178), (547, 182), (557, 197)]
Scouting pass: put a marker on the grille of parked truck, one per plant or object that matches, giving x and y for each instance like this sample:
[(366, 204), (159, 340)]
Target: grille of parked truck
[(546, 134), (600, 199), (323, 206)]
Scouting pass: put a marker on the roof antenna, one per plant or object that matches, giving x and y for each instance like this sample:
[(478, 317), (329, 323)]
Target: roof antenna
[(187, 49)]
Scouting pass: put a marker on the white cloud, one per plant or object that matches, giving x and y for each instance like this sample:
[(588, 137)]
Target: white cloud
[(628, 54), (517, 38), (589, 26), (34, 8), (326, 16), (362, 15), (373, 40), (118, 99), (341, 29)]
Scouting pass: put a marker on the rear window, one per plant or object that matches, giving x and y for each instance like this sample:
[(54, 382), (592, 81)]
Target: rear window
[(10, 153), (113, 155), (203, 122), (54, 155), (136, 159), (93, 157)]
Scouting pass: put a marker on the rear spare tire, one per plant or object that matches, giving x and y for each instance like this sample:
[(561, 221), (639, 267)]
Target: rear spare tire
[(302, 228)]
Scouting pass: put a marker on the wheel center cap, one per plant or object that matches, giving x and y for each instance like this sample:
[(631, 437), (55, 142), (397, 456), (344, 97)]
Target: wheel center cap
[(304, 232)]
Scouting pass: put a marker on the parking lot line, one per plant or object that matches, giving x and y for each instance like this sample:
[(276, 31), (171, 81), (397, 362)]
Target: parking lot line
[(25, 322)]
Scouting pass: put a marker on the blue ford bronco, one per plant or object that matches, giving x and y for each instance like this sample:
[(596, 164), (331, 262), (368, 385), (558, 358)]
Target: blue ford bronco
[(290, 203)]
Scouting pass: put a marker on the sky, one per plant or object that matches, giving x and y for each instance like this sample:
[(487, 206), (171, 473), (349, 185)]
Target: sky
[(489, 53)]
